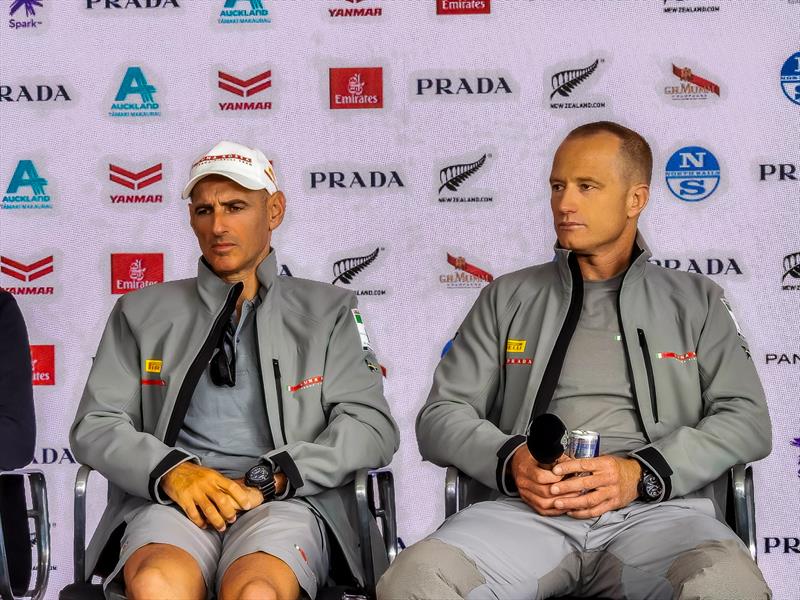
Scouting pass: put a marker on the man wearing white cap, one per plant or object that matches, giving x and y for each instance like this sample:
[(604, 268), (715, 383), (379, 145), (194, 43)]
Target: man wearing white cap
[(228, 411)]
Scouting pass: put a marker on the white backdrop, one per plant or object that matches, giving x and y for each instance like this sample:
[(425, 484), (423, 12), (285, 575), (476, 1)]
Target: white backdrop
[(621, 56)]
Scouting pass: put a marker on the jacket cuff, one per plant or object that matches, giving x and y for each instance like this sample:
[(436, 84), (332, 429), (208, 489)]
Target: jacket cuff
[(282, 462), (655, 462), (175, 457), (505, 481)]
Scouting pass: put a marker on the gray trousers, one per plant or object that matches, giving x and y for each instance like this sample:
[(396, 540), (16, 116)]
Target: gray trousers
[(503, 549)]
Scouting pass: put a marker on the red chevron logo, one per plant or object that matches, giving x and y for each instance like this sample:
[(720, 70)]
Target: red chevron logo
[(245, 87), (24, 272), (133, 180)]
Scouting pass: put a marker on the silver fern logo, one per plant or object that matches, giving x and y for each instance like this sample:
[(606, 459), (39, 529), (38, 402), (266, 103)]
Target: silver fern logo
[(454, 175), (346, 270), (563, 83), (791, 272)]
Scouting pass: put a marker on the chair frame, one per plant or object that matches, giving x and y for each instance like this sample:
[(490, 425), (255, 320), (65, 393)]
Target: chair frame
[(41, 519), (374, 492), (741, 513)]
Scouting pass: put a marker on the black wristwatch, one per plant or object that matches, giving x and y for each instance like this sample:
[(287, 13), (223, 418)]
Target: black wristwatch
[(649, 487), (262, 478)]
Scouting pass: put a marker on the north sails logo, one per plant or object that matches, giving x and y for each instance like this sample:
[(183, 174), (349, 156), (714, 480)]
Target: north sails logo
[(346, 270), (791, 268), (136, 181), (30, 7), (466, 275), (692, 173), (563, 83), (452, 177), (27, 272), (245, 88)]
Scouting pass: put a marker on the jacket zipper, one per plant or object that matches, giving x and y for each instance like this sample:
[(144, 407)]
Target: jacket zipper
[(276, 368), (648, 365), (628, 361), (198, 365)]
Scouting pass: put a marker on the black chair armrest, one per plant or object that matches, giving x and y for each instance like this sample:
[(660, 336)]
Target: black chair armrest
[(374, 491), (456, 491), (744, 506), (41, 521), (79, 521)]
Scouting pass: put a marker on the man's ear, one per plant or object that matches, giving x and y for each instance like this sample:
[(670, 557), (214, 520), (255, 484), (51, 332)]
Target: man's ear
[(276, 209), (638, 197)]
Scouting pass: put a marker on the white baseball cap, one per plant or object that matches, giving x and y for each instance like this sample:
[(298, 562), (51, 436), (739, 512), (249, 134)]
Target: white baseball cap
[(246, 166)]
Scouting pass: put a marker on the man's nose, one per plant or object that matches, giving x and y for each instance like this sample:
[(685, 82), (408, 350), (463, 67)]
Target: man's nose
[(567, 200), (218, 223)]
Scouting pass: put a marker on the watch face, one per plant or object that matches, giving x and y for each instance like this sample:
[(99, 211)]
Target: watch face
[(258, 474), (651, 486)]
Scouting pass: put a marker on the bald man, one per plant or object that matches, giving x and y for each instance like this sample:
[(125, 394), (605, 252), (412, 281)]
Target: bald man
[(650, 358)]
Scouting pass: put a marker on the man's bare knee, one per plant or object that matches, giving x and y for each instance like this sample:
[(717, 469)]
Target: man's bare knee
[(258, 589), (157, 571), (259, 576)]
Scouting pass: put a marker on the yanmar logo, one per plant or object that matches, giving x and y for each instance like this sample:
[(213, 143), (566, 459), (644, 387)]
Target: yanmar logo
[(244, 88), (43, 362), (131, 272), (463, 7), (357, 87), (365, 11), (136, 181), (26, 273)]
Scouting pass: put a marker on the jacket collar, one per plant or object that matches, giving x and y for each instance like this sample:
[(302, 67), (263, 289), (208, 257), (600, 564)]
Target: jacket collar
[(641, 254), (213, 291)]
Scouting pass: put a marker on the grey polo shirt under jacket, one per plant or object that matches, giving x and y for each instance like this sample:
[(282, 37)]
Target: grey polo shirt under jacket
[(594, 390), (226, 427)]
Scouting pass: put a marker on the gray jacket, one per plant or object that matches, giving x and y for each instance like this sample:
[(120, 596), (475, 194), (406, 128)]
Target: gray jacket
[(697, 393), (132, 408)]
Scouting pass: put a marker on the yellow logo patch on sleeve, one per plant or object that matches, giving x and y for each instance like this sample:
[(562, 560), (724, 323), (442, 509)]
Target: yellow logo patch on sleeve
[(516, 345), (152, 366)]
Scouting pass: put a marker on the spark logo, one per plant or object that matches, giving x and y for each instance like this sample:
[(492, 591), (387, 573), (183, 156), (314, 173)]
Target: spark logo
[(130, 272), (245, 88), (359, 87), (27, 273), (30, 7), (232, 13), (26, 176), (43, 363), (136, 181), (134, 83)]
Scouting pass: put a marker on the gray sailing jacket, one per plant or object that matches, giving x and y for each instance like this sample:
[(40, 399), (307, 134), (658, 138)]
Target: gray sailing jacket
[(156, 344), (697, 393)]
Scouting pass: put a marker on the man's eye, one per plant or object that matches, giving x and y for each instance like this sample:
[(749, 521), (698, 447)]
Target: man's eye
[(587, 186), (557, 187), (201, 211)]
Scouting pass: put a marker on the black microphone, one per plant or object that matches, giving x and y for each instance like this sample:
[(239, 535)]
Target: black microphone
[(547, 436)]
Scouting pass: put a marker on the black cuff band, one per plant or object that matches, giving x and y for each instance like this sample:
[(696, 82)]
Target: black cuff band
[(172, 459), (505, 482)]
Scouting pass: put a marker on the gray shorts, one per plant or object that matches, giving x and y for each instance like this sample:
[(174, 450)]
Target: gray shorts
[(289, 530)]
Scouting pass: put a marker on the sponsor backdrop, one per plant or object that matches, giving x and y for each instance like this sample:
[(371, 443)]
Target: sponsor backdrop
[(413, 140)]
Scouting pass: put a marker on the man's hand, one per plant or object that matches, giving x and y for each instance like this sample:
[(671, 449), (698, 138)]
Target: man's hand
[(534, 483), (218, 498), (612, 484)]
